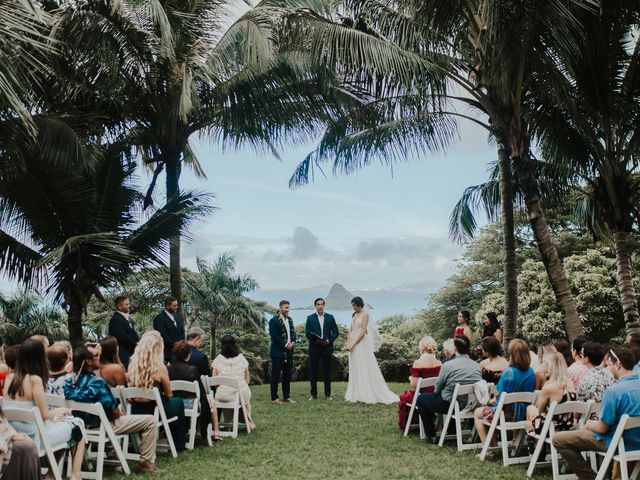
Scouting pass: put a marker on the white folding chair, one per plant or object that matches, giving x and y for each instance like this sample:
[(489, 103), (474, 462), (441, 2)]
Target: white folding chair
[(500, 423), (100, 435), (623, 456), (192, 388), (129, 394), (548, 430), (45, 448), (458, 415), (422, 383), (236, 405)]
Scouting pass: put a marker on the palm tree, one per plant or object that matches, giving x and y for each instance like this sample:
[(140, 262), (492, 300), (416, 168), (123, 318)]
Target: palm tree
[(74, 228), (182, 71), (24, 314), (487, 52), (218, 295), (589, 123)]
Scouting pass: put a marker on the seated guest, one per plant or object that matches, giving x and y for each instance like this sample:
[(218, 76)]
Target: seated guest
[(491, 326), (58, 358), (11, 357), (558, 388), (26, 389), (597, 379), (4, 368), (231, 363), (147, 370), (198, 358), (541, 371), (19, 458), (494, 363), (181, 370), (67, 345), (448, 349), (459, 370), (622, 397), (42, 339), (87, 387), (578, 369), (518, 376), (111, 368), (426, 366), (564, 347)]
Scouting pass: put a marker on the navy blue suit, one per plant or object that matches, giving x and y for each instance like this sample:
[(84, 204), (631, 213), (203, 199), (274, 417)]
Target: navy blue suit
[(170, 332), (318, 351), (281, 358), (125, 332)]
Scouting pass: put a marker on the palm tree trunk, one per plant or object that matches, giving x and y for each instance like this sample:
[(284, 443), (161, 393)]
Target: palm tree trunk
[(173, 189), (625, 283), (212, 346), (74, 321), (509, 245), (547, 248)]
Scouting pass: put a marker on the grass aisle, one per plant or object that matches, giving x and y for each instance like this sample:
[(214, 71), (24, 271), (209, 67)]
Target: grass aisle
[(326, 440)]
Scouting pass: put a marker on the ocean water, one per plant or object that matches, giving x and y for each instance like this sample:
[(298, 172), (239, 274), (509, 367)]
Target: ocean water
[(384, 302)]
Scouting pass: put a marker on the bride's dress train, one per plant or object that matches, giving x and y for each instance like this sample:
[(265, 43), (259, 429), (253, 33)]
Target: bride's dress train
[(366, 383)]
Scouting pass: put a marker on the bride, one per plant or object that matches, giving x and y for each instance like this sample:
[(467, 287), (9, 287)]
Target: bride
[(366, 383)]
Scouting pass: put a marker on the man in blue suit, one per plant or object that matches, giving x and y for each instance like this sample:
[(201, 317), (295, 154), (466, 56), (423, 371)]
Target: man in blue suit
[(321, 330), (170, 326), (283, 338)]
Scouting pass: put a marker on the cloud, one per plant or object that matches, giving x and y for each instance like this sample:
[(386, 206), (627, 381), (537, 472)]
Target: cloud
[(304, 243)]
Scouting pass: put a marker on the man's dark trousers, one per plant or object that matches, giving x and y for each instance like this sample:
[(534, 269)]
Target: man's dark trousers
[(430, 404), (280, 366), (317, 354)]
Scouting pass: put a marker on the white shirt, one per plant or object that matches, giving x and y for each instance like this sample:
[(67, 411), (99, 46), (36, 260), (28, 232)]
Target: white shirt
[(126, 316), (321, 320), (171, 317), (286, 326)]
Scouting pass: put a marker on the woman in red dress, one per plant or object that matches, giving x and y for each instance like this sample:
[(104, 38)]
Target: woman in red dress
[(426, 366), (463, 328)]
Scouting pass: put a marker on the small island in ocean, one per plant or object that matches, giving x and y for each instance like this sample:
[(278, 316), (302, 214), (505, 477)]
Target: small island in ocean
[(338, 298)]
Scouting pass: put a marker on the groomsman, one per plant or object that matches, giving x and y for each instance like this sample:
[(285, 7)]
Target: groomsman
[(283, 337), (121, 327), (170, 326), (321, 330)]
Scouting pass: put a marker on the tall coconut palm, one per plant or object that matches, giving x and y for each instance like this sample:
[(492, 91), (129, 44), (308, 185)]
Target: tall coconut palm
[(72, 229), (218, 295), (590, 123), (183, 70), (487, 51)]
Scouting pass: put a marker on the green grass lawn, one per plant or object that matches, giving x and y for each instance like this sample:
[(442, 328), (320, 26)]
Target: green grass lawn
[(325, 440)]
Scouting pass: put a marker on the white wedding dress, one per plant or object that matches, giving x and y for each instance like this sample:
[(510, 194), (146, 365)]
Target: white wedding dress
[(366, 383)]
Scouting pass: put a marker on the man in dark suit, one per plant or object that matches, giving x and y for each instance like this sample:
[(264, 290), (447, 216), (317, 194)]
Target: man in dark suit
[(121, 327), (283, 337), (321, 331), (170, 326)]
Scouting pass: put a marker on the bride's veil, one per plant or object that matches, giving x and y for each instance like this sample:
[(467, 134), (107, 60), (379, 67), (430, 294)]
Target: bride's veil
[(373, 332)]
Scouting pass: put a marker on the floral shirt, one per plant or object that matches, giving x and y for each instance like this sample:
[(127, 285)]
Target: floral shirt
[(55, 384), (593, 384), (576, 371)]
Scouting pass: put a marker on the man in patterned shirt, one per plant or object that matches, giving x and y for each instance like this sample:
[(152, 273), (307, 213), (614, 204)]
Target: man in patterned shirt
[(598, 378), (86, 387)]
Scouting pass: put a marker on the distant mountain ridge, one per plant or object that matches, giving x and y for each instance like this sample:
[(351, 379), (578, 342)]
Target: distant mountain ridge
[(338, 298)]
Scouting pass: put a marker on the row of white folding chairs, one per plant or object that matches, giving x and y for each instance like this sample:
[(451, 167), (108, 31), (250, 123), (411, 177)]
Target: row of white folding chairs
[(499, 422), (100, 435)]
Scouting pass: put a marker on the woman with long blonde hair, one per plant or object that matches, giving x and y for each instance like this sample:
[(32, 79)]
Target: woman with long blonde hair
[(147, 370), (558, 388)]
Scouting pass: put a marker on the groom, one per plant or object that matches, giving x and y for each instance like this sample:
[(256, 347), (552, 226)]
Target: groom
[(283, 337), (321, 330)]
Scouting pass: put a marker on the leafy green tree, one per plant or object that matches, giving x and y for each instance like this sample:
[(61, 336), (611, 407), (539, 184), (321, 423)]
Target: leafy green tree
[(218, 297), (181, 70), (589, 121), (413, 58), (24, 313), (74, 228)]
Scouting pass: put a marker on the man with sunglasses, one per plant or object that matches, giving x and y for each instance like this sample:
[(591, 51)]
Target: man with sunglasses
[(623, 397)]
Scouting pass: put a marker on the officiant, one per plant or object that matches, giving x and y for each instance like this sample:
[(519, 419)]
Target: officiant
[(321, 330)]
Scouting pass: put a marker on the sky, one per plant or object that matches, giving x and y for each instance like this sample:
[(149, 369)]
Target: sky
[(369, 230)]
